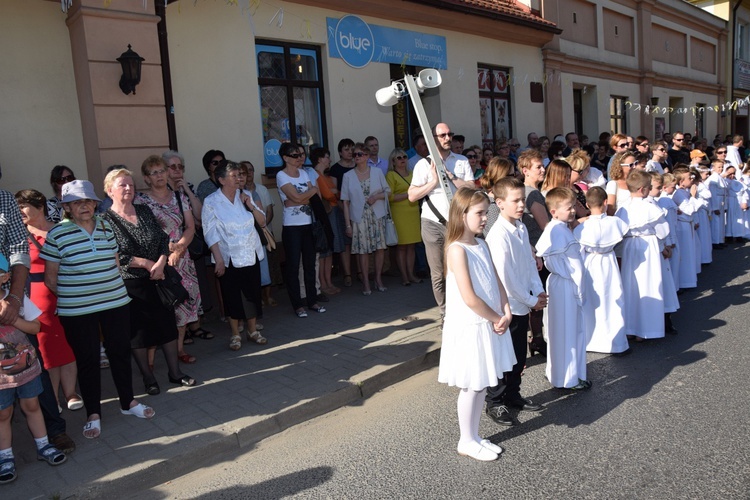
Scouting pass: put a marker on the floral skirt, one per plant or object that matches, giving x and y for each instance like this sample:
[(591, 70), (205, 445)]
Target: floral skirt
[(368, 235)]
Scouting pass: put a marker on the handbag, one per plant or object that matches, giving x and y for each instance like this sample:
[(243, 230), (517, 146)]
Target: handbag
[(197, 248), (391, 236), (319, 235), (170, 289)]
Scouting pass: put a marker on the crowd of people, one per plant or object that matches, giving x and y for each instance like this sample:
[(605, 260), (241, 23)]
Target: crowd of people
[(568, 246)]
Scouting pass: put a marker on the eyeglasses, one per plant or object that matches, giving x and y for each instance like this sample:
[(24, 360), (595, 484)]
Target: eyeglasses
[(504, 147), (157, 172), (294, 155), (721, 152), (447, 134), (360, 154), (471, 157), (66, 179), (177, 166), (630, 165), (215, 162), (403, 157), (622, 145)]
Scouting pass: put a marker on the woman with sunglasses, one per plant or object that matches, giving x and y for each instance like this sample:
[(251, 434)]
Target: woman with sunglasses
[(405, 213), (295, 191), (658, 157), (363, 193), (617, 188), (474, 163), (59, 176), (211, 160)]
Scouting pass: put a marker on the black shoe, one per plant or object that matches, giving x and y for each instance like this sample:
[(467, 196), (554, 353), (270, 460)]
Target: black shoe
[(321, 297), (500, 415), (152, 389), (523, 404), (63, 443), (538, 345)]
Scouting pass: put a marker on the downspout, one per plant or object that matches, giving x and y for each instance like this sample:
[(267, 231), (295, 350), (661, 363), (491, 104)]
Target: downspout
[(166, 73), (733, 112)]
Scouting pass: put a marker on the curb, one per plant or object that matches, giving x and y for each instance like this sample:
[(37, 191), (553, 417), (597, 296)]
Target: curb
[(242, 438)]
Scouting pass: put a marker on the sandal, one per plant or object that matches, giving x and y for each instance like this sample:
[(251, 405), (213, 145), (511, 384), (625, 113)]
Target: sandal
[(140, 410), (188, 340), (7, 470), (318, 309), (202, 334), (51, 455), (187, 358), (347, 280), (75, 403), (152, 389), (257, 338), (235, 342), (94, 427), (301, 313), (185, 381)]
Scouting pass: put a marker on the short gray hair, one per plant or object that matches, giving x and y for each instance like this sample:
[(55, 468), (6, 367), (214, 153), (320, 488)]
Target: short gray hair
[(171, 153)]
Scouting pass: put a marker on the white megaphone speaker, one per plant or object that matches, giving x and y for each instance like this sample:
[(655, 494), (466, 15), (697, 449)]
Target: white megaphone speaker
[(428, 79), (388, 96)]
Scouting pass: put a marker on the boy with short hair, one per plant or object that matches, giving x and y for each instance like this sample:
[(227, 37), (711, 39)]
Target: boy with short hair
[(20, 376), (669, 186), (602, 286), (563, 317), (514, 261), (641, 261)]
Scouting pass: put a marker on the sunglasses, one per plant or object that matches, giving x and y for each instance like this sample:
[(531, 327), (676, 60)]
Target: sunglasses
[(661, 149), (447, 134), (157, 172), (360, 154), (471, 157), (643, 145), (294, 155), (66, 179), (721, 152), (630, 165), (678, 140), (514, 145), (622, 145), (177, 166), (403, 157)]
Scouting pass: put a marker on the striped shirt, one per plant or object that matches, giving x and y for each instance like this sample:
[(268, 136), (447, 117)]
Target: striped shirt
[(88, 280)]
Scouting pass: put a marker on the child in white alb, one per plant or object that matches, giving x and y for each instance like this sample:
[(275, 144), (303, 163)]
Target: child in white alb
[(669, 186), (476, 349), (737, 203), (687, 205), (563, 317), (602, 287), (641, 261)]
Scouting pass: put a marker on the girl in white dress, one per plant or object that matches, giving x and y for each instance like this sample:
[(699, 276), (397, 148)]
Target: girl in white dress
[(736, 206), (476, 351), (704, 217)]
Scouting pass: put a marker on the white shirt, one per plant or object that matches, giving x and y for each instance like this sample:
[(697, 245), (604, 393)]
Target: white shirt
[(515, 264), (733, 156), (299, 215), (595, 178), (381, 164), (457, 165), (654, 166), (232, 226)]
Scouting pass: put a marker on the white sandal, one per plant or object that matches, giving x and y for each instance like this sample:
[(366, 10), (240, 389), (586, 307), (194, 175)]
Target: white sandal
[(257, 338), (93, 425), (139, 411), (235, 342)]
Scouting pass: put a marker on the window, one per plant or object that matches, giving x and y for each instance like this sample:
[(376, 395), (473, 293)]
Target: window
[(618, 118), (740, 41), (291, 98), (494, 105)]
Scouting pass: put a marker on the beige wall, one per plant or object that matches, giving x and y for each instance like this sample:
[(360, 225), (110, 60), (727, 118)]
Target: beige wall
[(578, 21), (40, 123)]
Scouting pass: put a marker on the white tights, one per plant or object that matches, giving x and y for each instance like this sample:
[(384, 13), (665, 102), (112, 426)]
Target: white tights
[(470, 405)]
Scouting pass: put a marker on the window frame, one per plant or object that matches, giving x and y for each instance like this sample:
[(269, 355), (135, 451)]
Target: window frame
[(614, 117), (494, 95)]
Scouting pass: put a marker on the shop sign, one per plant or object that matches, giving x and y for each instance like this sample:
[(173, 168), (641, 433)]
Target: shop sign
[(271, 153), (358, 43)]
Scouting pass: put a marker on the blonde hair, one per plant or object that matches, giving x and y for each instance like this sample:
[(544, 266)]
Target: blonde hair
[(578, 160), (114, 174), (559, 195)]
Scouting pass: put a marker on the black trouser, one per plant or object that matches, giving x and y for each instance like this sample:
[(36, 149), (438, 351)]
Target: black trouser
[(509, 387), (298, 241)]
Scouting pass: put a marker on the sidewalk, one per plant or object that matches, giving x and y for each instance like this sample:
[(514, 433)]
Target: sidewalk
[(309, 367)]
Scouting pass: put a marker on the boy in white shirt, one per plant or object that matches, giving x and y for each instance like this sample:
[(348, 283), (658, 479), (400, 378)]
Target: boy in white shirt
[(602, 308), (516, 266), (563, 317)]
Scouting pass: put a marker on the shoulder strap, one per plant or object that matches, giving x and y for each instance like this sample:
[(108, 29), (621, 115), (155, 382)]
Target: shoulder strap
[(32, 239), (435, 210), (182, 210)]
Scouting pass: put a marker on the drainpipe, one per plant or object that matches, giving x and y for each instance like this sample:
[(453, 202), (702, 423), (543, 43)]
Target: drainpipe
[(166, 73), (733, 113)]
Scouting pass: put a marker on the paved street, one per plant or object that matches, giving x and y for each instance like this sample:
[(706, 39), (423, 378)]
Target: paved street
[(669, 421)]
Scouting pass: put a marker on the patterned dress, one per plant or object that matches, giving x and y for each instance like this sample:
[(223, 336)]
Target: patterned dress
[(369, 234), (170, 219)]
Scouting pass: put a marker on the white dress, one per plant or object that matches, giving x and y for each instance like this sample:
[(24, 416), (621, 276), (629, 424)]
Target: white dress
[(666, 203), (602, 286), (473, 356), (669, 289), (563, 316), (736, 195), (718, 187), (704, 224), (686, 238), (641, 268)]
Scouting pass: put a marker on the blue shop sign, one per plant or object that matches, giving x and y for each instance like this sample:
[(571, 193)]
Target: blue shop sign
[(359, 43)]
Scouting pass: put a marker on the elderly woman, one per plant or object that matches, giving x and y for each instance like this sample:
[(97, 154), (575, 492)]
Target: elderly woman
[(144, 249), (229, 217), (295, 191), (57, 355), (81, 255), (172, 210), (617, 188), (58, 177), (405, 213), (364, 192)]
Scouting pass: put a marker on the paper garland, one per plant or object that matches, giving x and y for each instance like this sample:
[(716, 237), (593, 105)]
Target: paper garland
[(727, 106)]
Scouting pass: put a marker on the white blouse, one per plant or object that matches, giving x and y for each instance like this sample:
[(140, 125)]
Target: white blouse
[(232, 226)]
